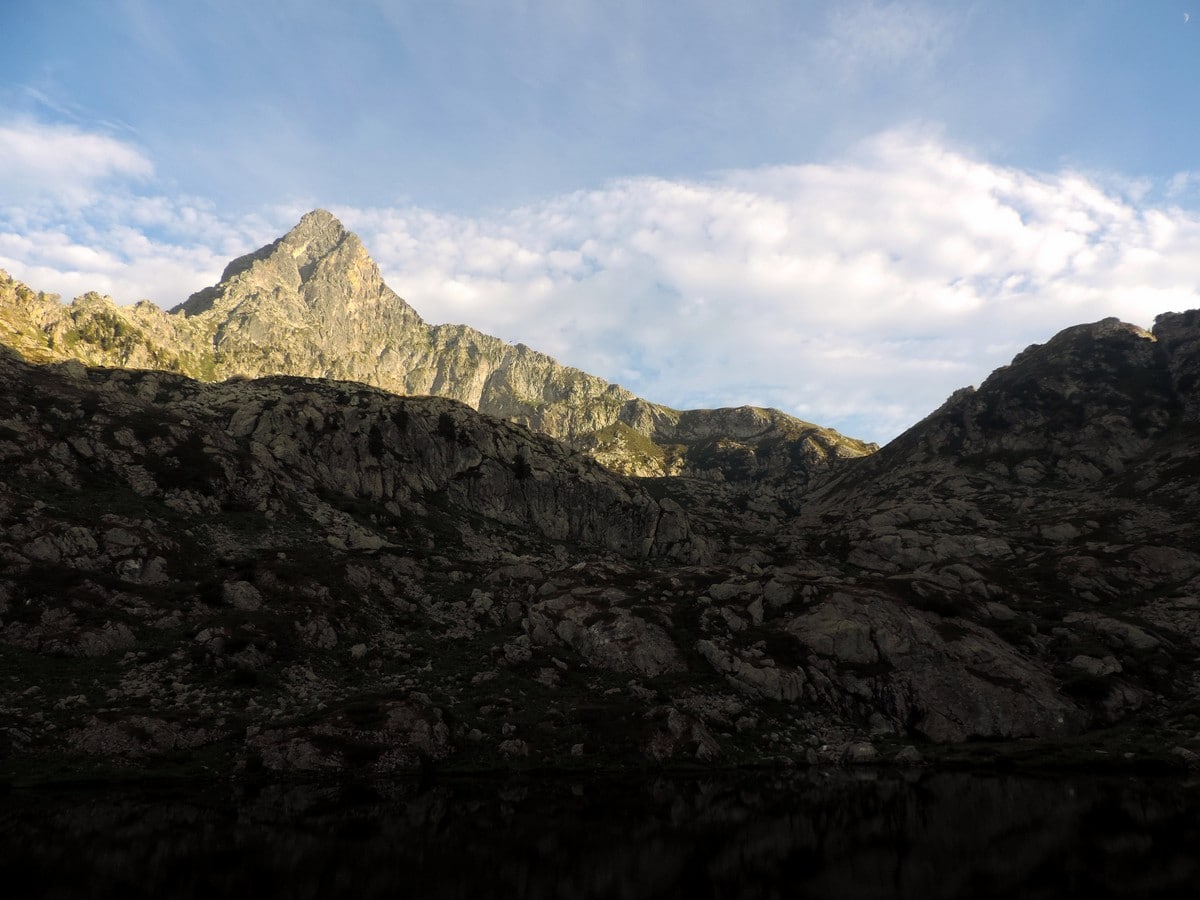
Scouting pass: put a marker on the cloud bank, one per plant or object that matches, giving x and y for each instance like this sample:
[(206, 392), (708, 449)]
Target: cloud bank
[(857, 293)]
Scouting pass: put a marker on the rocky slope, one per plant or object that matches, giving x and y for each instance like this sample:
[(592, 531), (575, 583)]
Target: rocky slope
[(314, 304), (304, 575), (1057, 506)]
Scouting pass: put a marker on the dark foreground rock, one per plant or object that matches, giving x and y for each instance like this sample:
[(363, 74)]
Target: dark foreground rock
[(307, 576)]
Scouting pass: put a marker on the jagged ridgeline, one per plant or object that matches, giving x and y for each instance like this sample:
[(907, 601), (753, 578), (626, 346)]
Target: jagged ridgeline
[(314, 304)]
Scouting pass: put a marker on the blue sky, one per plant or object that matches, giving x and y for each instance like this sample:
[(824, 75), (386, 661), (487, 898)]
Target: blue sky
[(846, 210)]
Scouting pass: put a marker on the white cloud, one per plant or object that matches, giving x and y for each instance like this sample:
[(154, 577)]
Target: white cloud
[(129, 267), (127, 246), (60, 161), (857, 293)]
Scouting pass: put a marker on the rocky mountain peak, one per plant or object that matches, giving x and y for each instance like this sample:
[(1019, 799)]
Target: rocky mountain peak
[(314, 304), (317, 226), (318, 249), (320, 236)]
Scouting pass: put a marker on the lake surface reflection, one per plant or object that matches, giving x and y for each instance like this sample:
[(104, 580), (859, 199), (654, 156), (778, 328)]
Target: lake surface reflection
[(848, 834)]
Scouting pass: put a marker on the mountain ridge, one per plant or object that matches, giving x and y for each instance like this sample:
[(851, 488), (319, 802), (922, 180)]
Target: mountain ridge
[(314, 304)]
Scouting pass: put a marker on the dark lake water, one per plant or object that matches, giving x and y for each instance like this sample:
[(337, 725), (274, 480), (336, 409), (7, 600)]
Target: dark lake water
[(847, 835)]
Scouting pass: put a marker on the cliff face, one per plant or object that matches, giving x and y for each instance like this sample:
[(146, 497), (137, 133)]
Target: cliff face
[(314, 304)]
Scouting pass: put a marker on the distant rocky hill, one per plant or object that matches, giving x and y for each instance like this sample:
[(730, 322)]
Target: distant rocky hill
[(291, 574), (314, 304)]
